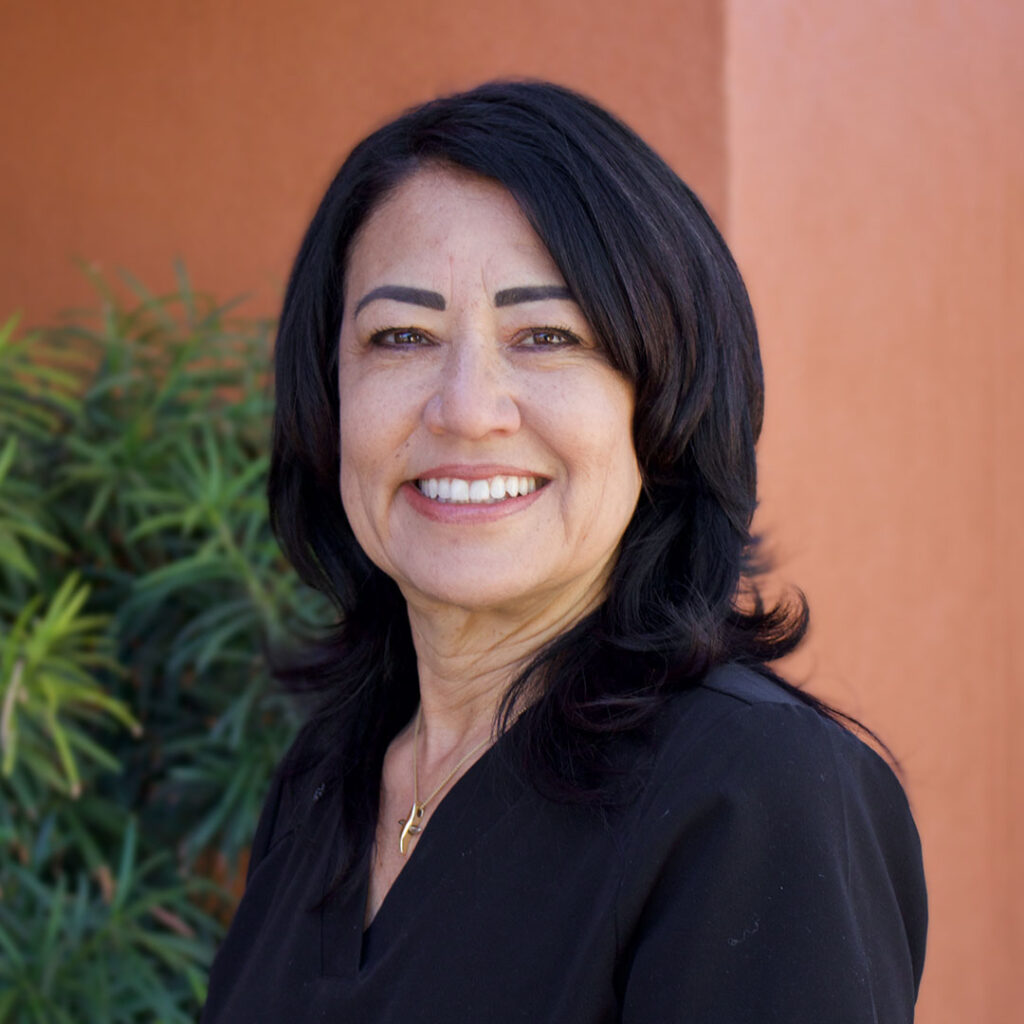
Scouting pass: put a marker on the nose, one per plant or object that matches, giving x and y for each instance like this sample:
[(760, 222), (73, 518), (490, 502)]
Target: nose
[(474, 396)]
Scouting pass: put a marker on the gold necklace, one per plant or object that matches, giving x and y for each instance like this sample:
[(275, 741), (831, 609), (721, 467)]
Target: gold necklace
[(410, 826)]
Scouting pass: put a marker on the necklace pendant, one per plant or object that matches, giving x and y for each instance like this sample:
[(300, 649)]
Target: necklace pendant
[(410, 828)]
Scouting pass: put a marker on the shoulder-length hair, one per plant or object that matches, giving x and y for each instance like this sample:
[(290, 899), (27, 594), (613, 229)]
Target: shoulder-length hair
[(659, 287)]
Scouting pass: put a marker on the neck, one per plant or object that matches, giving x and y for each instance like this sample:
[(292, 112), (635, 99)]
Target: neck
[(467, 659)]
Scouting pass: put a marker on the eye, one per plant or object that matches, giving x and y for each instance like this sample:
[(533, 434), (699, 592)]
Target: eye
[(548, 337), (405, 337)]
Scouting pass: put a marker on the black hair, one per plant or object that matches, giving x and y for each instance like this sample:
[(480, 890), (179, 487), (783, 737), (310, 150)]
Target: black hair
[(663, 295)]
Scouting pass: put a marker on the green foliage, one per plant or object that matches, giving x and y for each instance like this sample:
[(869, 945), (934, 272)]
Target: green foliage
[(139, 589)]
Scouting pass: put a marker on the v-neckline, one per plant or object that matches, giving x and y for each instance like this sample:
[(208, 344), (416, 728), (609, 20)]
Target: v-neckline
[(412, 856), (481, 791), (415, 855)]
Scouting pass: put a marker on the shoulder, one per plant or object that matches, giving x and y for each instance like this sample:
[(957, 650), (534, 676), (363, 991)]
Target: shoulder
[(741, 740), (295, 787), (747, 686), (779, 845), (760, 734), (752, 778)]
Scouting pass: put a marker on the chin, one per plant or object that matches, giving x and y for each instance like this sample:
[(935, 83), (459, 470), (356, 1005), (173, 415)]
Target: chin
[(471, 597), (480, 591)]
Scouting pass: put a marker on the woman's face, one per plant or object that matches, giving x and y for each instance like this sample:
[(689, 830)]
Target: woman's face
[(486, 446)]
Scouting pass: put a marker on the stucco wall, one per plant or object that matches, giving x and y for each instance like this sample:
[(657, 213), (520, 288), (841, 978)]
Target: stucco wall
[(876, 206), (208, 129)]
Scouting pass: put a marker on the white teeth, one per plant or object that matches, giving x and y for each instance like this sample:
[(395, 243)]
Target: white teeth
[(476, 492), (479, 490)]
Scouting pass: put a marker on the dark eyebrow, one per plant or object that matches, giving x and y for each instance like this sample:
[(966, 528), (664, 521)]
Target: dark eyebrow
[(513, 296), (400, 293)]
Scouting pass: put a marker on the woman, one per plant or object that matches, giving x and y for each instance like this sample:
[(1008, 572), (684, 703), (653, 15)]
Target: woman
[(551, 777)]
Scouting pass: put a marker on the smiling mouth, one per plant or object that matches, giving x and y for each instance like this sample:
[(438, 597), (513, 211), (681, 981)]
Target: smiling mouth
[(457, 491)]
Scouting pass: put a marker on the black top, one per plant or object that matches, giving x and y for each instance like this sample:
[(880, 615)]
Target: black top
[(768, 871)]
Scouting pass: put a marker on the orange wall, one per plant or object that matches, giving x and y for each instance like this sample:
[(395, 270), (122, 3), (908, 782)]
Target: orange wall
[(876, 204), (867, 158), (209, 128)]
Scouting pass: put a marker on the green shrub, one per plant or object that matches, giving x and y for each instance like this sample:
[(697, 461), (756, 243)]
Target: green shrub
[(139, 588)]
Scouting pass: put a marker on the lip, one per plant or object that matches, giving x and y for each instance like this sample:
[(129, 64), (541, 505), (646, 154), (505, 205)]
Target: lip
[(467, 514), (477, 471)]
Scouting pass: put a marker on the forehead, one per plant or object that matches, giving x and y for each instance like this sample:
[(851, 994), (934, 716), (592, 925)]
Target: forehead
[(441, 223)]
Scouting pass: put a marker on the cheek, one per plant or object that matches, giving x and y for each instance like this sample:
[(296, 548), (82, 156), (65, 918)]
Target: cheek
[(351, 499), (360, 493), (373, 444), (355, 444), (362, 420), (620, 487), (598, 428), (609, 416)]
